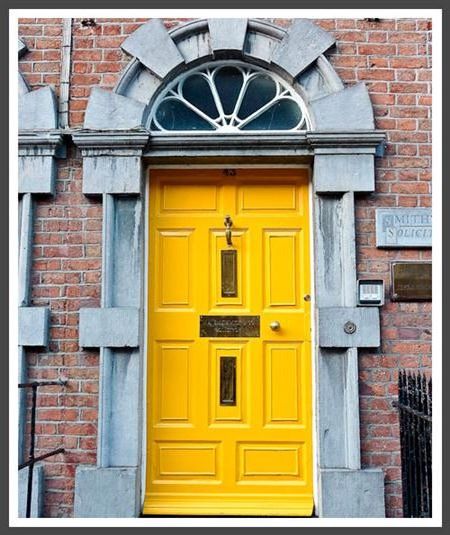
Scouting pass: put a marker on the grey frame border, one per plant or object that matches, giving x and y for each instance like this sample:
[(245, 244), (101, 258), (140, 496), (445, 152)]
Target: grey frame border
[(284, 4)]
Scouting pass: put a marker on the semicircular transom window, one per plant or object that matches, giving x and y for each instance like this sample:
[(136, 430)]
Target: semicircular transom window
[(227, 98)]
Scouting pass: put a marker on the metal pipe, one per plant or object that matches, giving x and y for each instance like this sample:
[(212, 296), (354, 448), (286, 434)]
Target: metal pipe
[(41, 458), (42, 383), (31, 458), (65, 74)]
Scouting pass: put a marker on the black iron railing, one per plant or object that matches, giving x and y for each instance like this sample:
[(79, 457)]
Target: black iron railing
[(415, 410), (32, 460)]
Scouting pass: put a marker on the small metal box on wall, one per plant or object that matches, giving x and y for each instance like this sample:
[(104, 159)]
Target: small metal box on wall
[(370, 292)]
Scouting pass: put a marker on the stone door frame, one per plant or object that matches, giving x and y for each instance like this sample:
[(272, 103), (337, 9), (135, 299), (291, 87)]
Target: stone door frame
[(116, 147)]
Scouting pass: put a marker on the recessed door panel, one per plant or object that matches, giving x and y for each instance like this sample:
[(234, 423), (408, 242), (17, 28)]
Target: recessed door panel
[(281, 268), (283, 378), (175, 273), (189, 197), (184, 461), (172, 387), (271, 462), (229, 371)]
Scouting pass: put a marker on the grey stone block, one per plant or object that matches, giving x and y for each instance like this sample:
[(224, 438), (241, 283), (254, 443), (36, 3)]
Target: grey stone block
[(351, 493), (338, 407), (111, 174), (33, 326), (37, 174), (333, 320), (349, 109), (260, 47), (404, 227), (119, 436), (37, 495), (138, 83), (109, 327), (107, 110), (106, 492), (343, 172), (38, 110), (152, 46), (21, 47), (23, 86), (303, 44), (196, 46), (227, 34)]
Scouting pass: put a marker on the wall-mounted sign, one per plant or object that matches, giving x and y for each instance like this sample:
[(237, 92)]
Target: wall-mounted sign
[(403, 227), (411, 281)]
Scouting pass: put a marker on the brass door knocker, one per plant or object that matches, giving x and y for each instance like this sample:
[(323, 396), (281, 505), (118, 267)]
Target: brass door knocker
[(228, 224)]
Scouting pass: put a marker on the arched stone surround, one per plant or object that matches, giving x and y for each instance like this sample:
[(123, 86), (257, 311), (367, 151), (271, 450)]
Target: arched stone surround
[(116, 148)]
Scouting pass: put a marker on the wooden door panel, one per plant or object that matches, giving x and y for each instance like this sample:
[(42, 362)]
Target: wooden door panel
[(229, 427)]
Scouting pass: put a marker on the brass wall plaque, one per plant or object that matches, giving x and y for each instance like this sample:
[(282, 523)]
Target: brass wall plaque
[(229, 272), (411, 281), (228, 380), (229, 326)]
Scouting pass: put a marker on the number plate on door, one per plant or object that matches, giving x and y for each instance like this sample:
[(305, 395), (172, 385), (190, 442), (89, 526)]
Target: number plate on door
[(229, 326)]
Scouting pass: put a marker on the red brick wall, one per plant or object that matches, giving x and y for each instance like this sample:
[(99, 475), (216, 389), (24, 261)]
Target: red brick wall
[(394, 58)]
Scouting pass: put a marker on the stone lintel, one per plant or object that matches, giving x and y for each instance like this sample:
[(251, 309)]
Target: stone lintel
[(348, 493), (152, 45), (254, 145), (106, 492), (109, 327), (336, 324), (227, 34), (33, 326), (354, 141), (93, 141), (343, 172)]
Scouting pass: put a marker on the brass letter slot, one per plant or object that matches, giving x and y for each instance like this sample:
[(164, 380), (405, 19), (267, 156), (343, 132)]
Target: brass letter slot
[(228, 380), (229, 273)]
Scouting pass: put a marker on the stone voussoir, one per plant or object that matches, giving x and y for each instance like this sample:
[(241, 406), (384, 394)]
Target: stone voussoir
[(303, 43), (227, 34), (107, 110), (152, 45), (350, 108)]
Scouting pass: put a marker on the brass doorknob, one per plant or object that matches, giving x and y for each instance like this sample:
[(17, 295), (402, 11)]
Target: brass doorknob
[(275, 325)]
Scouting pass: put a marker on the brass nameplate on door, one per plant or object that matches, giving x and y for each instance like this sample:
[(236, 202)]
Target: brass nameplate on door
[(229, 326), (229, 273), (228, 380)]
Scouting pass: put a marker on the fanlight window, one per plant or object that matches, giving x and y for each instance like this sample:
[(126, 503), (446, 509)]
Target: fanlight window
[(228, 98)]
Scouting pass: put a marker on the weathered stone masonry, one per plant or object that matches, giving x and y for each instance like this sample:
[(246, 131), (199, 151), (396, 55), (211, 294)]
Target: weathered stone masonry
[(393, 57)]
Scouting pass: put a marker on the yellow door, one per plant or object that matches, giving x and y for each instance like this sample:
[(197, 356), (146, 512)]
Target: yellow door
[(229, 392)]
